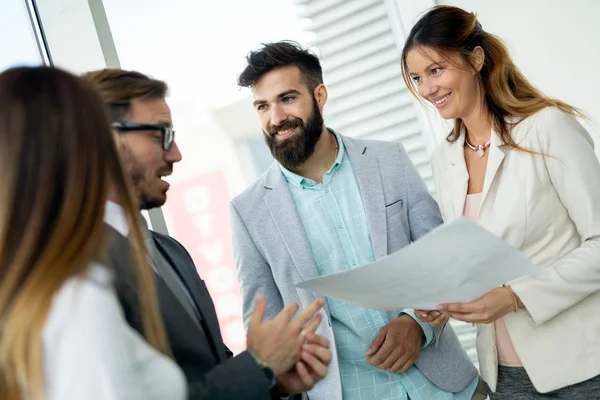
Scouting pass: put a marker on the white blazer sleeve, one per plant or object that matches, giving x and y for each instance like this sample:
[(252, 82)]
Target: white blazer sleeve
[(574, 172), (88, 347)]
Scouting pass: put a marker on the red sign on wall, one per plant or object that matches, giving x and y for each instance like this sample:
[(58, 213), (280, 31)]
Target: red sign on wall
[(198, 216)]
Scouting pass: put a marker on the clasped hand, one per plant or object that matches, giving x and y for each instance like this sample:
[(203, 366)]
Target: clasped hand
[(298, 357), (397, 345)]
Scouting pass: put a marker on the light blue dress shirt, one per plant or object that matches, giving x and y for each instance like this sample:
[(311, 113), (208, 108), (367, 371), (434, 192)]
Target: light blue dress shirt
[(335, 222)]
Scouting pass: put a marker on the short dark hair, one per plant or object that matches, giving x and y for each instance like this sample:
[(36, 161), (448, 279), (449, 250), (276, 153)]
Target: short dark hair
[(272, 56), (119, 87)]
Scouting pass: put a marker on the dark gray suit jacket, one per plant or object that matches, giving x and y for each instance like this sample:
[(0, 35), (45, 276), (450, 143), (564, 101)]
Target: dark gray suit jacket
[(210, 368)]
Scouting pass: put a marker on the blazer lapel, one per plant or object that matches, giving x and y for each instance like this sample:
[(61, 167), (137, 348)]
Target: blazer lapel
[(459, 176), (283, 211), (495, 158), (199, 294), (366, 169)]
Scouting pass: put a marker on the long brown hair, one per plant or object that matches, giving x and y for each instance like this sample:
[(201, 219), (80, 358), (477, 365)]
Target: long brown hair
[(506, 92), (58, 160)]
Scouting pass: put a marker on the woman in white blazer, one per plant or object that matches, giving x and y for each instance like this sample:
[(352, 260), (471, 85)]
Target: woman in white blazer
[(63, 335), (519, 164)]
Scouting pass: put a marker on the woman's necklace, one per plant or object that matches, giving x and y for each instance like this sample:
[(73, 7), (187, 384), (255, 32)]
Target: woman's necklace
[(480, 148)]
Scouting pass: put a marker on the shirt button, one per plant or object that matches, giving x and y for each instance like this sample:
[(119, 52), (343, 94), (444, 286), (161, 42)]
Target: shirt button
[(353, 262), (340, 226)]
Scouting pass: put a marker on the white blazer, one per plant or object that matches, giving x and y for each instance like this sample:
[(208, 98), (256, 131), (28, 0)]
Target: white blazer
[(549, 208)]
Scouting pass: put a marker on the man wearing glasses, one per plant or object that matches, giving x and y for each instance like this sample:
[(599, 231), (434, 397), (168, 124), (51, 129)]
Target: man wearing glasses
[(284, 357)]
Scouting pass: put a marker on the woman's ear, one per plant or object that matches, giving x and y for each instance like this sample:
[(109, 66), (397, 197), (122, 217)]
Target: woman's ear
[(477, 58)]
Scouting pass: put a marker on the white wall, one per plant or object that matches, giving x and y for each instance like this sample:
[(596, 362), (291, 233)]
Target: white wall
[(555, 43)]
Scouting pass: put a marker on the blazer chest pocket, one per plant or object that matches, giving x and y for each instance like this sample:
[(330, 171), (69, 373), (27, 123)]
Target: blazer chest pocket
[(394, 208)]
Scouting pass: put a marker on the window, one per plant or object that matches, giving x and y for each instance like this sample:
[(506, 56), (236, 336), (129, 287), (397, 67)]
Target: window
[(199, 48), (18, 39)]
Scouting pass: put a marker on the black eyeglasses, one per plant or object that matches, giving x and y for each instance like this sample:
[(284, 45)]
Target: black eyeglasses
[(167, 132)]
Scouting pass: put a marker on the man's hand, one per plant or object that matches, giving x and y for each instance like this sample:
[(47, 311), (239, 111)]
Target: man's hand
[(278, 341), (397, 345), (311, 368)]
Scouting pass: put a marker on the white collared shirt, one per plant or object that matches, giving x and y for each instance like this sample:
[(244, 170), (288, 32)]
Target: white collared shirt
[(115, 217)]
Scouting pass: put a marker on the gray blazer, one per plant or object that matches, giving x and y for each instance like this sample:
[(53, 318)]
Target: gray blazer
[(272, 252)]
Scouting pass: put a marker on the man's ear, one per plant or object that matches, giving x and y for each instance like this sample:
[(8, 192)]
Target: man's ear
[(321, 94)]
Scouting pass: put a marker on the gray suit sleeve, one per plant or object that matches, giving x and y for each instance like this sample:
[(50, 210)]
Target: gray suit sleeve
[(423, 211), (254, 274)]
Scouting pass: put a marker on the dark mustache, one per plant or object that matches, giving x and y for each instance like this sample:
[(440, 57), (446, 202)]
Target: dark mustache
[(167, 170), (288, 124)]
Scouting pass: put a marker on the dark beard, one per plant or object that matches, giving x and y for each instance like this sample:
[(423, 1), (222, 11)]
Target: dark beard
[(136, 174), (294, 151)]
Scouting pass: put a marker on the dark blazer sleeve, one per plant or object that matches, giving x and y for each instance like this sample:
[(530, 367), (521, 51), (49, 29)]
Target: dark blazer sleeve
[(234, 378)]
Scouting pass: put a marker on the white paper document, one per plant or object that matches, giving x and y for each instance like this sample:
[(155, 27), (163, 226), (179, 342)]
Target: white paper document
[(456, 262)]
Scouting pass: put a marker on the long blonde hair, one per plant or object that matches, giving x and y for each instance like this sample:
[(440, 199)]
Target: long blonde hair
[(506, 92), (58, 159)]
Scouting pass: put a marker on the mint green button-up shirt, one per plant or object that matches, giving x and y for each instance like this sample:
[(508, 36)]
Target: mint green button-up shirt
[(335, 222)]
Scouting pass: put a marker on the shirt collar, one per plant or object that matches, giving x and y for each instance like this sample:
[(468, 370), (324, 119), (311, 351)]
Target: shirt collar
[(115, 217), (300, 181)]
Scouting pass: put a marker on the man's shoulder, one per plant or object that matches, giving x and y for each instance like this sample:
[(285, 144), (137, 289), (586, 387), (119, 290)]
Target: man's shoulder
[(169, 243), (253, 193), (164, 237), (379, 147)]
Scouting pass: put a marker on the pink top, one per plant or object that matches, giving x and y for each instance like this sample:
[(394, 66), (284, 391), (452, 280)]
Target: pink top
[(507, 355)]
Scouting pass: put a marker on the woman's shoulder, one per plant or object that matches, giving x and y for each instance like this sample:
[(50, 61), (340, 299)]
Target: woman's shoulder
[(89, 293), (547, 116), (94, 284), (550, 124)]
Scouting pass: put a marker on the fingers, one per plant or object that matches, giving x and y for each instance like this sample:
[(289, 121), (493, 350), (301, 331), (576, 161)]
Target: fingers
[(461, 307), (442, 319), (260, 306), (468, 317), (305, 376), (321, 353), (377, 342), (397, 365), (382, 354), (312, 325), (407, 364), (314, 363), (308, 313), (288, 312), (318, 340), (308, 376), (467, 312), (402, 362), (426, 316), (395, 356), (433, 317)]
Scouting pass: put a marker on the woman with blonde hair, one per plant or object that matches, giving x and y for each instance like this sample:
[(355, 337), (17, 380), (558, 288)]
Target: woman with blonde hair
[(518, 163), (63, 335)]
